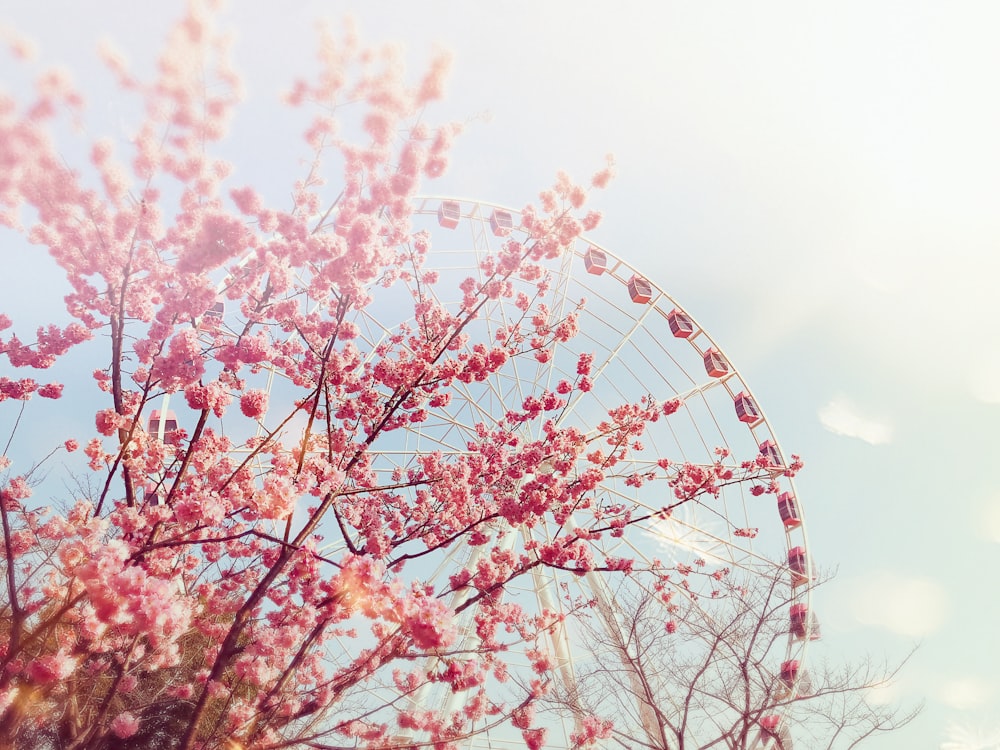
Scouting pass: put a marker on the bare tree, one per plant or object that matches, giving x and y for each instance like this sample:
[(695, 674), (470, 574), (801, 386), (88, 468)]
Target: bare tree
[(680, 672)]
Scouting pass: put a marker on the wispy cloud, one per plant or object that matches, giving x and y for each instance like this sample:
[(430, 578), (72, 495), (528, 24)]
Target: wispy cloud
[(988, 523), (905, 605), (841, 417), (885, 694), (984, 380), (966, 693), (965, 738)]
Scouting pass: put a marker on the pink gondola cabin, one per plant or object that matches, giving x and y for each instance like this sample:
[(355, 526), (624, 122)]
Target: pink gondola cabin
[(680, 324), (640, 290), (803, 623), (715, 364), (169, 423), (770, 452), (774, 733), (746, 409), (152, 497), (798, 564), (794, 677), (212, 319), (789, 672), (595, 261), (449, 212), (501, 222), (788, 510)]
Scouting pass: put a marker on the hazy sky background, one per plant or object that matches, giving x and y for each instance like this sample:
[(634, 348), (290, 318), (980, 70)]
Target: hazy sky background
[(816, 182)]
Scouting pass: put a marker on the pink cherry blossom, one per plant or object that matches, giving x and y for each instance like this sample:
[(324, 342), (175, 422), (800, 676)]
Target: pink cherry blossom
[(274, 571), (124, 725), (253, 403), (49, 669)]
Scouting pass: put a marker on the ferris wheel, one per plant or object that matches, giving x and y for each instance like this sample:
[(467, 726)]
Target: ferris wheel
[(644, 345)]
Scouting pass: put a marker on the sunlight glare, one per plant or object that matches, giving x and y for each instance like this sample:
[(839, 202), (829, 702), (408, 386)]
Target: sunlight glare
[(676, 533)]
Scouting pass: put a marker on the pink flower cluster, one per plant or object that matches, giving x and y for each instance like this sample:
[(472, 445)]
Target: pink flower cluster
[(198, 572)]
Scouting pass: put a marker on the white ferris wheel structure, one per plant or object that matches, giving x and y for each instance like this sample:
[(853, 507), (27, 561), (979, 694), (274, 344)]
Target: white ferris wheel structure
[(644, 344)]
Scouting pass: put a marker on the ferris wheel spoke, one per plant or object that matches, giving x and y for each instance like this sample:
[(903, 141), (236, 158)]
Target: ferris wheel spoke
[(613, 355), (561, 286)]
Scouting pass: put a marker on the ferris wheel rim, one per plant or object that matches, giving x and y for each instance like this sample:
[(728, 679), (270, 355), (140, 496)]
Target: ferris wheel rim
[(423, 207)]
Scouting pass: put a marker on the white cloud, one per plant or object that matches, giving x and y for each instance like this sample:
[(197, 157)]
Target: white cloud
[(984, 380), (841, 417), (965, 693), (988, 523), (908, 606), (886, 694), (965, 738)]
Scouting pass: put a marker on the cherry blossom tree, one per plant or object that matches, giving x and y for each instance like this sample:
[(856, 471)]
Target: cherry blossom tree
[(184, 595), (717, 673)]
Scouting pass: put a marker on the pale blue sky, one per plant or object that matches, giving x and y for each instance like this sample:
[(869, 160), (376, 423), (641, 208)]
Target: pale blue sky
[(817, 183)]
